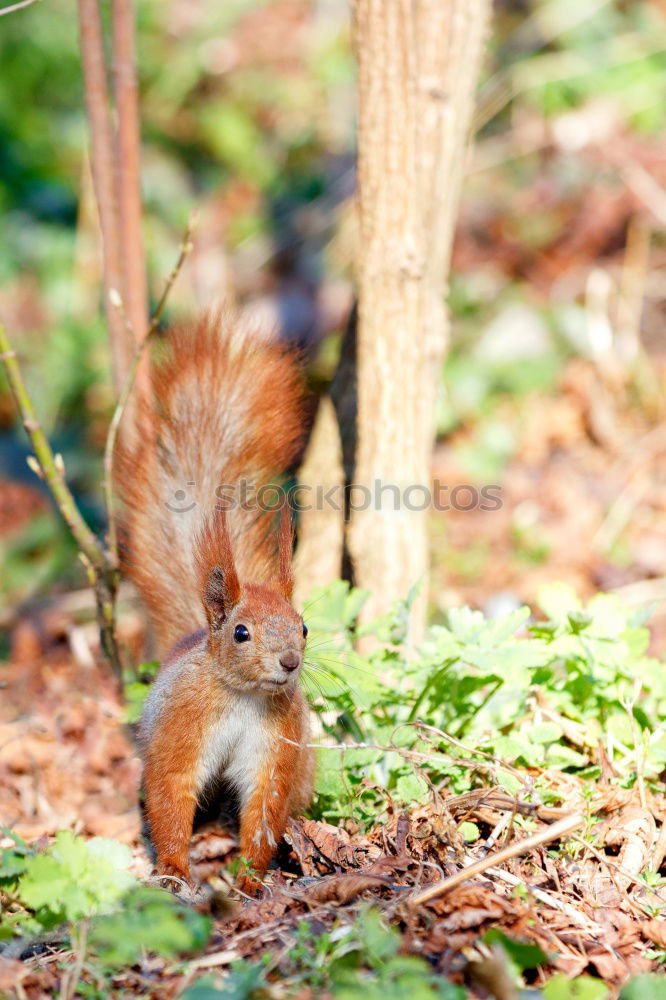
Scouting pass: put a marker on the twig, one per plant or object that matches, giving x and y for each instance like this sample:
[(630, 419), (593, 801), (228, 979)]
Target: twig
[(100, 568), (548, 898), (644, 186), (613, 866), (17, 6), (497, 799), (642, 591), (413, 756), (632, 290), (473, 751), (109, 448), (417, 755), (185, 249), (101, 564), (71, 979), (128, 167), (102, 162), (52, 469), (659, 849), (78, 605), (544, 836), (498, 829), (214, 960), (639, 745)]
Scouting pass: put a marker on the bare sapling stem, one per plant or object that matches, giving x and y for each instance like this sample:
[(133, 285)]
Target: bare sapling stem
[(101, 568), (126, 391), (104, 181), (100, 560), (128, 167)]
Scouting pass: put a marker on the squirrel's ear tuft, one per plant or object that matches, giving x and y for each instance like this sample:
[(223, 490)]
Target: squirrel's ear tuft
[(220, 588), (220, 595), (285, 548)]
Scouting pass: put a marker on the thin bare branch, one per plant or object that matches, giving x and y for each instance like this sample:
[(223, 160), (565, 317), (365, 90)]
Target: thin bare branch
[(544, 836), (616, 868), (51, 467), (185, 249), (549, 899), (109, 449), (103, 171), (101, 571), (17, 6), (71, 979)]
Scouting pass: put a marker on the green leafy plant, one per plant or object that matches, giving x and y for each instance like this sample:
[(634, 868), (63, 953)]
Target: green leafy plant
[(136, 685), (150, 920), (73, 880), (533, 693), (375, 968), (244, 981), (646, 987), (560, 987), (351, 960), (85, 887)]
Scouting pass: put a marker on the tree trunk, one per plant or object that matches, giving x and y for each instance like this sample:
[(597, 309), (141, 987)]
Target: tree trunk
[(418, 66), (318, 558)]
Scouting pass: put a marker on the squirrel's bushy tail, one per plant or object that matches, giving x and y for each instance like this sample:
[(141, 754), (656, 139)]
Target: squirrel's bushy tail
[(226, 418)]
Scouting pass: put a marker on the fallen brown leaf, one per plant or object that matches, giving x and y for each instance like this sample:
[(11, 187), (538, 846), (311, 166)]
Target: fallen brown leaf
[(11, 972), (655, 931), (342, 889)]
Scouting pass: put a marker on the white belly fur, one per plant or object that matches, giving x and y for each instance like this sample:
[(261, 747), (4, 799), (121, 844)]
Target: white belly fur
[(236, 747)]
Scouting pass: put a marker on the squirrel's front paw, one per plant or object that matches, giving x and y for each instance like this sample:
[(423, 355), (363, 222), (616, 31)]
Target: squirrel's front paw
[(175, 878), (248, 885)]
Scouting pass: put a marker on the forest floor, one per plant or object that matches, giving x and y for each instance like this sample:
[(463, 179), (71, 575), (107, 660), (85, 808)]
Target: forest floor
[(583, 499), (67, 761), (563, 200)]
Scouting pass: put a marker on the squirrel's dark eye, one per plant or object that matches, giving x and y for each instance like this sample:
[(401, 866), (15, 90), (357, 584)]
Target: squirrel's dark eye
[(241, 634), (305, 631)]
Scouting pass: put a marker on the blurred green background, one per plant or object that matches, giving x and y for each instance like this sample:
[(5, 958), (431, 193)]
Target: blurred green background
[(248, 114)]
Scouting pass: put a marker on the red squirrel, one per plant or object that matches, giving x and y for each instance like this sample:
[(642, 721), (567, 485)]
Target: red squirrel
[(226, 709)]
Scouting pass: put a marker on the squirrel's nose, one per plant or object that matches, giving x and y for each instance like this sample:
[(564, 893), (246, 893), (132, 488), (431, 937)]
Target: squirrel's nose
[(290, 661)]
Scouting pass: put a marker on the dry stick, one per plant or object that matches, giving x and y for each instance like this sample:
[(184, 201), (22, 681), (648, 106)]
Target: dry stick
[(101, 570), (103, 171), (549, 899), (71, 979), (613, 866), (213, 961), (185, 248), (413, 756), (559, 829), (128, 167), (461, 746), (659, 849), (100, 564), (51, 468), (628, 705)]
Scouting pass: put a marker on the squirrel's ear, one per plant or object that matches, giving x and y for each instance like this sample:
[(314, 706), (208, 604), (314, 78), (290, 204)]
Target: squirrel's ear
[(285, 548), (219, 584), (221, 593)]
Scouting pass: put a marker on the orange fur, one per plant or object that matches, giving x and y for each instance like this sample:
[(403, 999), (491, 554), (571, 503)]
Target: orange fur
[(286, 543), (276, 794), (226, 406)]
